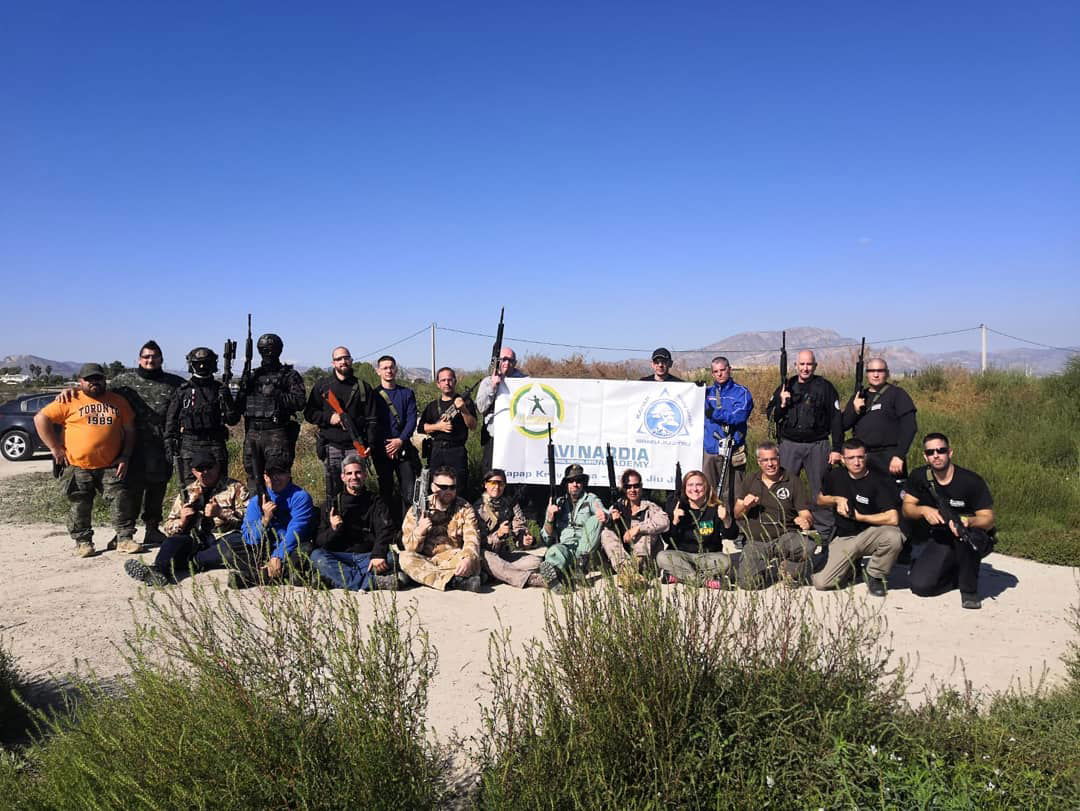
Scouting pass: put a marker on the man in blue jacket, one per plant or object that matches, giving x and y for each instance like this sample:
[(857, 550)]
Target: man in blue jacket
[(273, 528), (727, 408)]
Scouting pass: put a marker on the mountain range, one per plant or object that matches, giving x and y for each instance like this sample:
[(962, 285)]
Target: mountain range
[(747, 349)]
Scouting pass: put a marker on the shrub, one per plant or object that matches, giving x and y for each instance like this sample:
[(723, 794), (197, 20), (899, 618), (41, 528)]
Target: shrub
[(696, 699), (286, 700), (12, 715)]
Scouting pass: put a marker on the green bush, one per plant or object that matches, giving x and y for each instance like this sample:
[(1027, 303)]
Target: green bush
[(693, 699), (286, 699), (12, 715)]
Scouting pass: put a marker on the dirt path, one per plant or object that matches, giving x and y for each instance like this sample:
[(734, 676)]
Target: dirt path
[(61, 612)]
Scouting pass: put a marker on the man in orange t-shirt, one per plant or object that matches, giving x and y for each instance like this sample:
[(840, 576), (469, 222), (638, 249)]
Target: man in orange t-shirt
[(91, 436)]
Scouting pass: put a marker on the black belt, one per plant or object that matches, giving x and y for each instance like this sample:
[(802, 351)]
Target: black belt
[(263, 425)]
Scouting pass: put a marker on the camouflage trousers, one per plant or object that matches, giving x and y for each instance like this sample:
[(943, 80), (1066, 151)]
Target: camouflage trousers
[(562, 555), (644, 546), (435, 571), (79, 486)]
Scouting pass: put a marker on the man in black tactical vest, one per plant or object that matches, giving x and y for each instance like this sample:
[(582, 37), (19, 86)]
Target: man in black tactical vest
[(199, 414), (268, 399), (806, 409)]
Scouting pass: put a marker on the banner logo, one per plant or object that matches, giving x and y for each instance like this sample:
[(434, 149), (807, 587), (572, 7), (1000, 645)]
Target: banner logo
[(533, 407), (664, 418)]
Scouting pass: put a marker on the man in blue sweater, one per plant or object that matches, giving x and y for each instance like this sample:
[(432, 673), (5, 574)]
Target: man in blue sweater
[(273, 527), (395, 409), (727, 408)]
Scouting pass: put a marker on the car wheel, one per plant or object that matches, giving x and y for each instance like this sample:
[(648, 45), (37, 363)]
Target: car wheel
[(16, 446)]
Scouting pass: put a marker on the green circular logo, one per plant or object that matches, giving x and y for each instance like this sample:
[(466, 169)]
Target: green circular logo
[(534, 407)]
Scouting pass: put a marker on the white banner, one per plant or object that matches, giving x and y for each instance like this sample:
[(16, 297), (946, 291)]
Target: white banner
[(650, 426)]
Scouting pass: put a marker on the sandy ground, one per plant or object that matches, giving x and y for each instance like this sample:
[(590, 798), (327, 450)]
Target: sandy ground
[(60, 613)]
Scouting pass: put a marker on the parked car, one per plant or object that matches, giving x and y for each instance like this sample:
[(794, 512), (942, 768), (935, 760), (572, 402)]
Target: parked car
[(18, 438)]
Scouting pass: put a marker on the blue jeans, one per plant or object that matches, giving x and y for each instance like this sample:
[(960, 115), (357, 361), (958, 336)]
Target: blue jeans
[(344, 570)]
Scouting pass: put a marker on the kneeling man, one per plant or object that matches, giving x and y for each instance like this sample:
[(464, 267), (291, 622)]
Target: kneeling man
[(954, 508), (867, 521), (442, 548)]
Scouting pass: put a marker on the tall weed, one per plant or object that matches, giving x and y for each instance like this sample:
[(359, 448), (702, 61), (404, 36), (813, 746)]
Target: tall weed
[(288, 699)]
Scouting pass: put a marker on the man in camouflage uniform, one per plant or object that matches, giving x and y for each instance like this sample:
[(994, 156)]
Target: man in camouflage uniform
[(199, 415), (149, 389), (268, 398), (572, 526), (442, 549)]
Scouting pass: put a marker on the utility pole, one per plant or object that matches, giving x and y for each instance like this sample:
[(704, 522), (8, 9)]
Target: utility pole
[(433, 352), (982, 329)]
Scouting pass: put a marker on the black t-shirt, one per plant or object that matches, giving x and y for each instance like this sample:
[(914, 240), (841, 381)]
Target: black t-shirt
[(888, 420), (701, 531), (777, 506), (459, 432), (871, 494), (668, 378), (966, 493)]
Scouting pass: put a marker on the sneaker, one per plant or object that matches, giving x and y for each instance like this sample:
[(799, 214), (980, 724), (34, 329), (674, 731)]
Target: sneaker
[(875, 585), (143, 573), (562, 589), (582, 564), (84, 549), (716, 585), (386, 582), (465, 583), (129, 546), (969, 600), (536, 581)]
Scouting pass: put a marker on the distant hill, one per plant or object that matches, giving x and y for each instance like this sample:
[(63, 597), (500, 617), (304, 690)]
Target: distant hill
[(59, 367), (832, 349)]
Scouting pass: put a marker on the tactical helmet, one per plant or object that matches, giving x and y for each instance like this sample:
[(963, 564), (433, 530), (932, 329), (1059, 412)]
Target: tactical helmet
[(202, 361), (270, 346)]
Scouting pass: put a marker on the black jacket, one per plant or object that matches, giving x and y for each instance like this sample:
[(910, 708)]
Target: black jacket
[(358, 400), (812, 413), (366, 528)]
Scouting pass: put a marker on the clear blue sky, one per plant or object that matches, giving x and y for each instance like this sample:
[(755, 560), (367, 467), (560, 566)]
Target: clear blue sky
[(626, 174)]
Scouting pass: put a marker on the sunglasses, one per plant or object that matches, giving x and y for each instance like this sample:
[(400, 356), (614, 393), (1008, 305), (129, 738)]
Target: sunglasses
[(499, 482), (936, 451), (873, 371), (633, 485), (445, 486)]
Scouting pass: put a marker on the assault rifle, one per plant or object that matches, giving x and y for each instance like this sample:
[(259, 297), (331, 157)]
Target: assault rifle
[(362, 450), (249, 353), (676, 499), (724, 490), (553, 487), (227, 357), (952, 518), (860, 367), (613, 489), (773, 409), (421, 488), (493, 367)]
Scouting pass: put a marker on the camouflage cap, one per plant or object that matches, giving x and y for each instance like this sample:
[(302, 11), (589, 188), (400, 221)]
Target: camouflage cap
[(91, 369)]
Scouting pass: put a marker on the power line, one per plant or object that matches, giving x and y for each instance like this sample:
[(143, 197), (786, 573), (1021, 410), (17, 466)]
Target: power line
[(1033, 343), (704, 348), (424, 328)]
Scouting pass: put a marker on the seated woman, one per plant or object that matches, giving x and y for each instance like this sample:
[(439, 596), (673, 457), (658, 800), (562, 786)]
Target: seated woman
[(502, 527), (636, 524), (699, 524)]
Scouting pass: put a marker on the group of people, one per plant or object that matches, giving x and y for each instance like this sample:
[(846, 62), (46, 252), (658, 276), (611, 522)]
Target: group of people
[(724, 526)]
